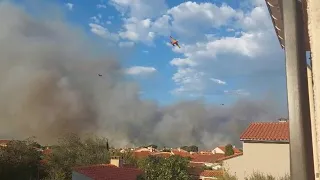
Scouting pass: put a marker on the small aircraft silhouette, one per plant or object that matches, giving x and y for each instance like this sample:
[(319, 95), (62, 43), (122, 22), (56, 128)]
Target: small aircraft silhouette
[(100, 75), (174, 42)]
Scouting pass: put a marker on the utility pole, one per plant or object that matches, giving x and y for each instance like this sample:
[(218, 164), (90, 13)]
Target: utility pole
[(301, 154)]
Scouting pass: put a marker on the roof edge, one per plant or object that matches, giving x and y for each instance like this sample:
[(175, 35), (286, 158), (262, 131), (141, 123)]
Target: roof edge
[(274, 25), (230, 157), (266, 141)]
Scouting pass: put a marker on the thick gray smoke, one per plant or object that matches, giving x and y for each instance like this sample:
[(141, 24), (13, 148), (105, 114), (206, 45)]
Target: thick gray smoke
[(49, 86)]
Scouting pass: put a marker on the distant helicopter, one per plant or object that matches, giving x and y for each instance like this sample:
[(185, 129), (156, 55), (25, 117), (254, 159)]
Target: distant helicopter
[(100, 75), (174, 42)]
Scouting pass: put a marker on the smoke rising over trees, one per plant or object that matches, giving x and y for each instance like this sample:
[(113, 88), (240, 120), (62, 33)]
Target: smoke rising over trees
[(49, 86)]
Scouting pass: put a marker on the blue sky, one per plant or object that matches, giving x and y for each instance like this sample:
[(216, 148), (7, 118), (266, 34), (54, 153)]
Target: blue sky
[(228, 49)]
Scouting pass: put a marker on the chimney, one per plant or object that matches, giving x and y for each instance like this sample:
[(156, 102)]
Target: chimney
[(117, 161), (283, 120)]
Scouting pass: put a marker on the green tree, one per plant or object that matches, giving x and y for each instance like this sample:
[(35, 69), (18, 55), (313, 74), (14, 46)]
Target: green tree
[(186, 148), (20, 160), (229, 150), (193, 148), (159, 168), (153, 146), (71, 151)]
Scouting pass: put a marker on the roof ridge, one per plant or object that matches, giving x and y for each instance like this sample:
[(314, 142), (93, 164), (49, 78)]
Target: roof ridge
[(269, 122), (94, 165)]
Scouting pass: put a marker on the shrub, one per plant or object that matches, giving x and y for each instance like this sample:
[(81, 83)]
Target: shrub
[(254, 176)]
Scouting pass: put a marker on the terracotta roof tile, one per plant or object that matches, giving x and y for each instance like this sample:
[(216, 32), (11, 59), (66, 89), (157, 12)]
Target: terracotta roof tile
[(205, 152), (142, 154), (182, 153), (206, 158), (211, 173), (3, 141), (266, 131), (236, 150), (162, 154), (47, 151), (108, 172), (229, 157)]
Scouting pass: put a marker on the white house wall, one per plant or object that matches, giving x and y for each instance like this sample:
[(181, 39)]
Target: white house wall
[(313, 10), (217, 150), (235, 167), (273, 159)]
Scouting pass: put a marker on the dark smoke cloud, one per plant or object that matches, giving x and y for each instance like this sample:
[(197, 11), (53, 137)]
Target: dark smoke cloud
[(49, 86)]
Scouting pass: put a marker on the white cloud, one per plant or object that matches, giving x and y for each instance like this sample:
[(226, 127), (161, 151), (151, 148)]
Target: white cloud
[(252, 47), (145, 30), (145, 51), (140, 8), (101, 6), (218, 81), (108, 22), (189, 81), (103, 32), (188, 20), (140, 70), (191, 18), (69, 6), (182, 62), (238, 92), (254, 50), (95, 19), (137, 30), (126, 44)]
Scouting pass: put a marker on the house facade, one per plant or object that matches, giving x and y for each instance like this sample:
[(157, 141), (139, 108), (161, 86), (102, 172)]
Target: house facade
[(222, 150), (265, 150)]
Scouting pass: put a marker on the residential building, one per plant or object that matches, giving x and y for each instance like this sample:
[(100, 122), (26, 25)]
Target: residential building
[(142, 154), (222, 150), (3, 143), (208, 160), (300, 43), (265, 150), (115, 170)]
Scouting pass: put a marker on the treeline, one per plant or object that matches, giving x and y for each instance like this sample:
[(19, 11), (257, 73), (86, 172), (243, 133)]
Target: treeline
[(192, 148), (24, 160)]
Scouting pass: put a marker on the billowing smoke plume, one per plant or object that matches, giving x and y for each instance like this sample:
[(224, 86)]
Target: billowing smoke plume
[(49, 86)]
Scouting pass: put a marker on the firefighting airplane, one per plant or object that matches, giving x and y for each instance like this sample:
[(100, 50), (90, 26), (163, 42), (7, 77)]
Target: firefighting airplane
[(174, 42)]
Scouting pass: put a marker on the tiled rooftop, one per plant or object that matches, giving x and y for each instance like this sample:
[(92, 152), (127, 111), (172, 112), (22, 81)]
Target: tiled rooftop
[(229, 157), (266, 131), (108, 172), (206, 158)]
